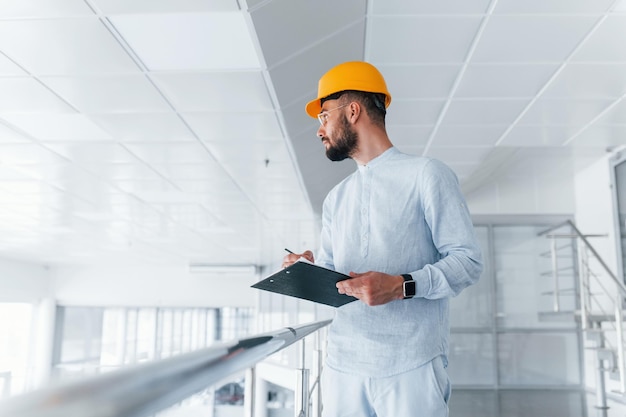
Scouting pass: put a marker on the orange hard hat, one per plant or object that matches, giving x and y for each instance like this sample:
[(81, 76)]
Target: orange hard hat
[(353, 75)]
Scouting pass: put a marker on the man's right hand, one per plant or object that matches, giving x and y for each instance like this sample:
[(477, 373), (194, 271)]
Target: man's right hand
[(291, 258)]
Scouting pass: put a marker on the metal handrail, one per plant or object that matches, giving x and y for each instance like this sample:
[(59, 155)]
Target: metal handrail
[(150, 387), (586, 298), (620, 285)]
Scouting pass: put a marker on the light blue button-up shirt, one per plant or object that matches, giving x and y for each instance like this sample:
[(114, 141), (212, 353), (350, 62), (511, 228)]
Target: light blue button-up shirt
[(398, 214)]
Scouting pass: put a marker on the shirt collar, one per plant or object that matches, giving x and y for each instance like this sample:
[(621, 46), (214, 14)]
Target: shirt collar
[(379, 159)]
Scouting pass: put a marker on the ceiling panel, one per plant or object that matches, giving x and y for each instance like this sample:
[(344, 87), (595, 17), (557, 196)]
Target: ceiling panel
[(409, 135), (8, 135), (166, 42), (483, 80), (296, 121), (484, 112), (215, 91), (27, 95), (463, 170), (12, 173), (415, 39), (108, 94), (306, 23), (218, 186), (239, 127), (255, 152), (600, 47), (28, 153), (151, 190), (123, 171), (589, 80), (601, 136), (552, 6), (165, 153), (538, 135), (414, 112), (614, 114), (79, 182), (159, 130), (177, 171), (44, 8), (532, 38), (425, 81), (454, 7), (8, 67), (468, 135), (93, 154), (459, 154), (312, 63), (63, 46), (139, 127), (110, 7), (57, 127), (573, 113), (193, 216)]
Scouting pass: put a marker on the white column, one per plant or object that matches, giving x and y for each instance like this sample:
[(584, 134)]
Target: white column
[(260, 397), (44, 315)]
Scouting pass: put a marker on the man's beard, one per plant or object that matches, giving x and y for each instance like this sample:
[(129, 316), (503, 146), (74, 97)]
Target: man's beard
[(346, 143)]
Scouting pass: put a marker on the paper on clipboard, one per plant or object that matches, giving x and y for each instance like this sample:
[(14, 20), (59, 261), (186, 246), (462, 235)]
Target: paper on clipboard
[(307, 281)]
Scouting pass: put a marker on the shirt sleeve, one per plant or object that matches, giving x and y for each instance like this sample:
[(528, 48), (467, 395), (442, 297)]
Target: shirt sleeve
[(448, 217)]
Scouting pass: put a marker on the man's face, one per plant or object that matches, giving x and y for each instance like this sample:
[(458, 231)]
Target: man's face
[(339, 138)]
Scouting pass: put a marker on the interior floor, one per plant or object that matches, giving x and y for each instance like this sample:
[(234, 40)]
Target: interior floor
[(524, 403)]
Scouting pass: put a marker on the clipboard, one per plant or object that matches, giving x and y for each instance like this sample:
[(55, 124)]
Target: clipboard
[(309, 282)]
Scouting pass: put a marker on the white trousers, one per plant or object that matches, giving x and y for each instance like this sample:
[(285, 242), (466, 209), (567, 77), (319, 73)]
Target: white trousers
[(421, 392)]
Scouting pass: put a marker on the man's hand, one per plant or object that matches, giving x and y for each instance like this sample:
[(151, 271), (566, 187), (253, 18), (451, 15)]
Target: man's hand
[(291, 258), (373, 288)]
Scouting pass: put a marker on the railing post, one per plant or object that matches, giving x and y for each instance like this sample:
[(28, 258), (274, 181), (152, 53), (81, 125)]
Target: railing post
[(620, 343), (600, 384), (584, 285), (250, 392), (555, 275), (302, 395), (318, 360), (319, 363)]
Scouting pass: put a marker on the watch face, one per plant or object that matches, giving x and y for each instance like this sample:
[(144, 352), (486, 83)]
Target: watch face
[(409, 288)]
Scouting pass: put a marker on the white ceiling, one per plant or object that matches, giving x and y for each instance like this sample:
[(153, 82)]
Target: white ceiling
[(174, 131)]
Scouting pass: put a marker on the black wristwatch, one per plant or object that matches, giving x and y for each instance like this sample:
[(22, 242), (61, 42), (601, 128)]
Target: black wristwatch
[(408, 286)]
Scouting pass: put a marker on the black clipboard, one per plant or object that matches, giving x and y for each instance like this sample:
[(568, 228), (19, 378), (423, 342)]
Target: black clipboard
[(309, 282)]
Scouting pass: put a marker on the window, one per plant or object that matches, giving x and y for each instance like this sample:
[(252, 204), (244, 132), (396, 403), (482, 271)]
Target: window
[(15, 331), (498, 337), (97, 339), (619, 179)]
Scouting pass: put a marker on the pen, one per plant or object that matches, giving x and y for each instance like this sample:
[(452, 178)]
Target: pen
[(289, 251)]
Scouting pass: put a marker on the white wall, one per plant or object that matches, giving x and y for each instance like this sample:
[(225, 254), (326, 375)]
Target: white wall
[(23, 282), (535, 182), (594, 208), (164, 286)]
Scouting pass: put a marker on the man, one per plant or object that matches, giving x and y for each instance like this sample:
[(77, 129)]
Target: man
[(399, 226)]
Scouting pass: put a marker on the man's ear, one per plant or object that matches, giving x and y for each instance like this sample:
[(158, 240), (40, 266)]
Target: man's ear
[(355, 111)]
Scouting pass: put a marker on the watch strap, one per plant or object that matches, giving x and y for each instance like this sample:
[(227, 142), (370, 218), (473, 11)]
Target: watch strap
[(408, 294)]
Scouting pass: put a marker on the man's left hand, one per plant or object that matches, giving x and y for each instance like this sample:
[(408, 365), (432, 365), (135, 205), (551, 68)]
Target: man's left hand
[(373, 288)]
